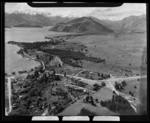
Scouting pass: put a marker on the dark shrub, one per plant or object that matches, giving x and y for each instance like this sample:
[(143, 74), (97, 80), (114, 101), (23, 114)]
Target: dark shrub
[(86, 112)]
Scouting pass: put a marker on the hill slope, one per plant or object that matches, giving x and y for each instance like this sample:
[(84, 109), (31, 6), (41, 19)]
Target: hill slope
[(129, 24), (82, 25), (134, 24)]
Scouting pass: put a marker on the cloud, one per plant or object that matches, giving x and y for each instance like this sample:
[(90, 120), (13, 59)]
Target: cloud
[(62, 11), (101, 10), (112, 13), (118, 13)]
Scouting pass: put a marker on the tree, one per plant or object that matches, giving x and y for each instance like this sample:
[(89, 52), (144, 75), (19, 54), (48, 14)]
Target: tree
[(124, 83), (102, 75), (103, 84), (131, 93), (96, 100), (91, 78), (14, 98), (36, 74), (114, 92), (92, 102), (96, 87), (118, 86), (86, 112), (19, 112), (57, 77), (64, 74), (33, 92), (87, 99), (32, 69), (103, 103), (13, 73), (117, 104)]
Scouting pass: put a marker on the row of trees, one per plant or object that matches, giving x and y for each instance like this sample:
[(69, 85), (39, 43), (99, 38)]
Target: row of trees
[(86, 112), (99, 76), (80, 83), (66, 56), (118, 104), (75, 92), (14, 73), (33, 45), (89, 99)]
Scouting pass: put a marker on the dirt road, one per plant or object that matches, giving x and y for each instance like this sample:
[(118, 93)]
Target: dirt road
[(110, 84)]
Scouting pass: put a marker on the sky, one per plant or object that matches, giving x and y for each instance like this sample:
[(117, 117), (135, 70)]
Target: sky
[(108, 13)]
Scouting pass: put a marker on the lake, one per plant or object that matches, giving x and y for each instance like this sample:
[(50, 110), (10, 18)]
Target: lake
[(15, 62)]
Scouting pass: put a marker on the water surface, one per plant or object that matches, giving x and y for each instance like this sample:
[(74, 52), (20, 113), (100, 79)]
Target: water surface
[(15, 62)]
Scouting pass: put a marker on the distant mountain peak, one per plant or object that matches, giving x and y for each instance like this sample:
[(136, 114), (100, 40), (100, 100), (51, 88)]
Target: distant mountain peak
[(20, 18), (82, 25), (79, 25)]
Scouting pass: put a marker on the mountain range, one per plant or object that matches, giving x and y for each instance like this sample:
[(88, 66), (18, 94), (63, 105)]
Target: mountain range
[(126, 25), (82, 25), (131, 24), (29, 20)]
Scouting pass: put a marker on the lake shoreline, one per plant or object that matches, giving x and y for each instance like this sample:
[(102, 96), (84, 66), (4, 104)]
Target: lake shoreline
[(15, 62)]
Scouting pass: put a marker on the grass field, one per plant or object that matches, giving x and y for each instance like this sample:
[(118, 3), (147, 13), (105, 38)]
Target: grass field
[(124, 51), (143, 96), (75, 108), (139, 90), (103, 94)]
